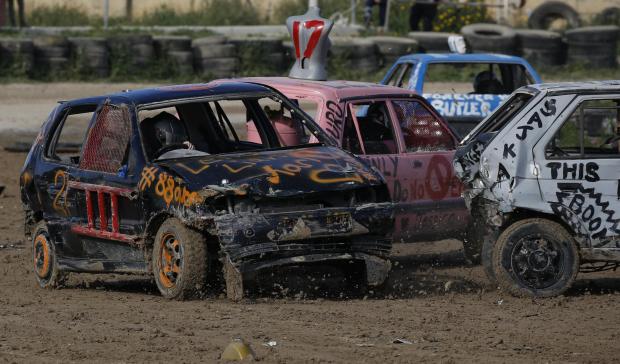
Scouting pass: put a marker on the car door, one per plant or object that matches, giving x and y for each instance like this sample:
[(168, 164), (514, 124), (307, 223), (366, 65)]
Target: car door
[(105, 186), (579, 177), (428, 185), (56, 167)]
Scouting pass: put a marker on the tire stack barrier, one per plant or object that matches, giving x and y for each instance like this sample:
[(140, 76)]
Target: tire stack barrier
[(214, 58), (358, 54), (594, 46), (490, 38), (51, 55), (135, 51), (541, 47), (16, 56), (391, 48), (264, 56), (91, 56), (432, 42), (177, 50)]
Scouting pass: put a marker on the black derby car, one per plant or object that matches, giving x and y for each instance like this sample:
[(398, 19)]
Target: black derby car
[(178, 180)]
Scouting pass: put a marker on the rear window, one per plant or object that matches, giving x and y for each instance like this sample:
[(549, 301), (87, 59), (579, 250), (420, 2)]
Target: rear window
[(475, 78)]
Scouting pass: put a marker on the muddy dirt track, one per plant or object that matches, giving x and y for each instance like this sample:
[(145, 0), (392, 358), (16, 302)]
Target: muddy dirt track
[(447, 312)]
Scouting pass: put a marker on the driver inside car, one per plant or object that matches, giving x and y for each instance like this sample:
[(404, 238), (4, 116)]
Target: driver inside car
[(166, 138)]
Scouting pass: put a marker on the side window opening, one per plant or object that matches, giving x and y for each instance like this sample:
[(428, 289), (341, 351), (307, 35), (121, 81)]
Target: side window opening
[(394, 78), (375, 127), (422, 131), (66, 142), (403, 79), (106, 147), (350, 140), (592, 131), (505, 113), (287, 124)]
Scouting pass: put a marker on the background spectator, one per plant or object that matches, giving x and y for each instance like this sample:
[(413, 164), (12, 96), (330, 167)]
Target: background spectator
[(425, 10), (368, 11)]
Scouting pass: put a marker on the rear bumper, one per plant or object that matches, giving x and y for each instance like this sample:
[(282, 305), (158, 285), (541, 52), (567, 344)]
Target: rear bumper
[(255, 241)]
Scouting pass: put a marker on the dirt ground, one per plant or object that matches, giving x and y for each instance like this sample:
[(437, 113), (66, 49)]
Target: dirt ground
[(444, 310)]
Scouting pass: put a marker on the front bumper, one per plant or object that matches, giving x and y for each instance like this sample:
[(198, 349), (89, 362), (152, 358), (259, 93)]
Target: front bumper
[(253, 241)]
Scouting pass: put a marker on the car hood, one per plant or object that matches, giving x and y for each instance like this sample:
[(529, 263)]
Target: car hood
[(275, 173)]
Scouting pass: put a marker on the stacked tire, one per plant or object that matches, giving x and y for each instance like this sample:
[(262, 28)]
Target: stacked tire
[(17, 55), (490, 38), (91, 56), (134, 53), (358, 54), (268, 52), (543, 16), (51, 55), (593, 46), (177, 50), (391, 48), (214, 58), (430, 42), (541, 47)]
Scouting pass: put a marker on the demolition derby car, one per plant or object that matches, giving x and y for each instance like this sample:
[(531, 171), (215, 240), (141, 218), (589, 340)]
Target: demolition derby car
[(439, 77), (398, 133), (167, 181), (542, 175)]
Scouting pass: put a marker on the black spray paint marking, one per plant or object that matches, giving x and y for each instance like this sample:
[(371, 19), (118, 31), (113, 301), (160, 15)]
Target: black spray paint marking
[(547, 110), (585, 211), (502, 174), (509, 151), (334, 119), (574, 171)]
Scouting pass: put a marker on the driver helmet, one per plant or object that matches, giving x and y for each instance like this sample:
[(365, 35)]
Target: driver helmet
[(162, 130), (487, 82)]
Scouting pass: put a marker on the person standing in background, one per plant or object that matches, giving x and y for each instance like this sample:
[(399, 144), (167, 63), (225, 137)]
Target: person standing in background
[(21, 16), (425, 10), (368, 11)]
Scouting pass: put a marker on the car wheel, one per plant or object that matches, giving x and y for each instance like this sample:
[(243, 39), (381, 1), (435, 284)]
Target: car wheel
[(535, 258), (46, 270), (179, 260)]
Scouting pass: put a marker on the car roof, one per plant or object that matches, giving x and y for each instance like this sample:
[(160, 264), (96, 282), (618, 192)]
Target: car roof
[(467, 57), (576, 87), (174, 92), (339, 89)]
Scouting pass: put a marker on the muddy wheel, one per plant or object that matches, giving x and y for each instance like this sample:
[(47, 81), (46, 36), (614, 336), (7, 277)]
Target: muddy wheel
[(179, 260), (45, 263), (535, 258)]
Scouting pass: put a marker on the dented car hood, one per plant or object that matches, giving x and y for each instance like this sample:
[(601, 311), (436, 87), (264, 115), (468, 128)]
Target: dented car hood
[(281, 172)]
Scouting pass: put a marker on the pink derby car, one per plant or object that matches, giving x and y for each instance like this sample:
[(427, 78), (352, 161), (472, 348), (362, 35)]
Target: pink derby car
[(397, 132)]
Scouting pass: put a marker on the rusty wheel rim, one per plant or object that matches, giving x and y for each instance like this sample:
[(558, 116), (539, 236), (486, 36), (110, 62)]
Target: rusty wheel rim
[(42, 257), (170, 260)]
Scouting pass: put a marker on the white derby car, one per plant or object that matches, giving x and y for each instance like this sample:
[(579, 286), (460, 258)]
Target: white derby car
[(542, 178)]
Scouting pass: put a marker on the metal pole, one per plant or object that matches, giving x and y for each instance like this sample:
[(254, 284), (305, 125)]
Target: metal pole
[(313, 3), (386, 26), (353, 8), (106, 13), (2, 13)]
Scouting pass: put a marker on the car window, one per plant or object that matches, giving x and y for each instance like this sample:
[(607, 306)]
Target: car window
[(505, 113), (403, 81), (472, 78), (350, 138), (66, 142), (375, 127), (394, 78), (590, 132), (287, 124), (107, 145), (422, 131)]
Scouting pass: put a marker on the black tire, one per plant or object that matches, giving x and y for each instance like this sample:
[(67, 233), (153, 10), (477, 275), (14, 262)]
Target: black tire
[(484, 37), (179, 260), (539, 39), (46, 270), (219, 64), (353, 48), (394, 46), (215, 50), (603, 35), (258, 45), (208, 41), (609, 16), (544, 14), (535, 258), (166, 44), (432, 41)]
